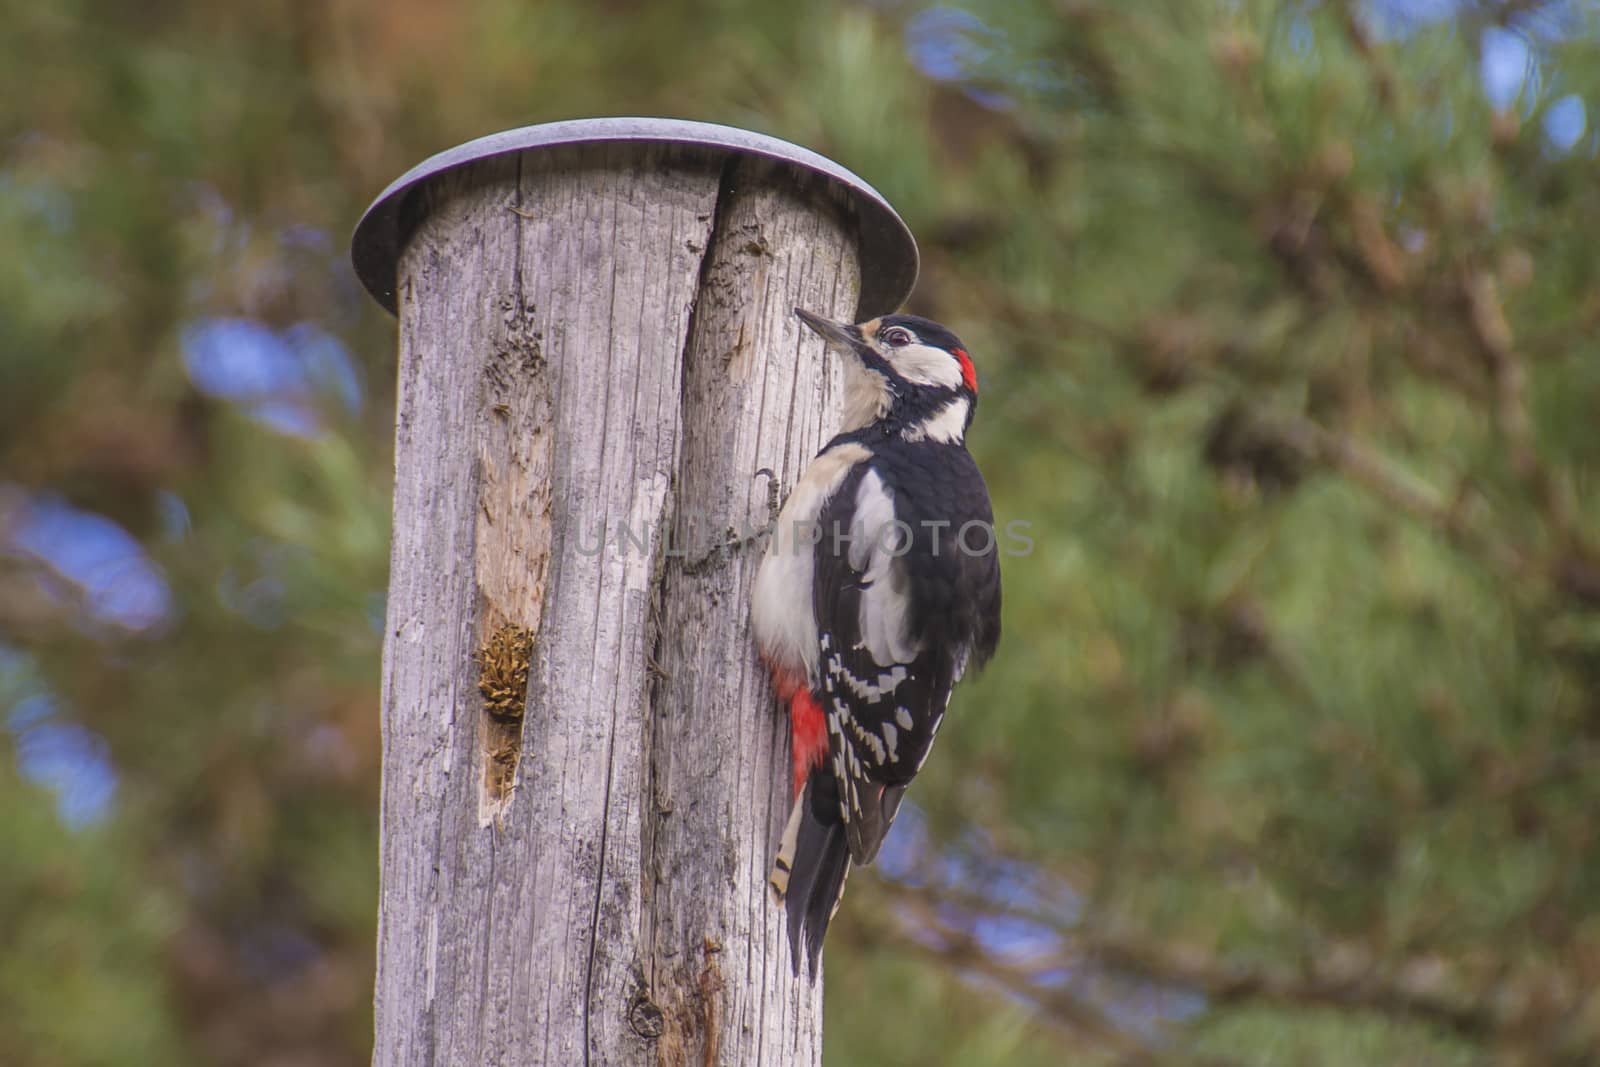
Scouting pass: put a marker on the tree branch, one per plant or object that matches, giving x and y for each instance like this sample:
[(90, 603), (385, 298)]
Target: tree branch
[(959, 949), (1489, 328), (1413, 992)]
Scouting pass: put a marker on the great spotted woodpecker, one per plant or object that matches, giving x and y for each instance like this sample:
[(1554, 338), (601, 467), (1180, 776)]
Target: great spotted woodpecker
[(880, 586)]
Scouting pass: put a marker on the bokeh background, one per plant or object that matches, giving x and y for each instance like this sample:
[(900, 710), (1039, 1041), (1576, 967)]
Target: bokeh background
[(1285, 316)]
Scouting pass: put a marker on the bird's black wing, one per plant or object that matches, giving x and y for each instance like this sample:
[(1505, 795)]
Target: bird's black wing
[(890, 625)]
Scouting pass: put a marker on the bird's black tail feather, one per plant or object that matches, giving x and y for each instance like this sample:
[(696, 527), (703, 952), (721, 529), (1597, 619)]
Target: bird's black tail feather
[(809, 872)]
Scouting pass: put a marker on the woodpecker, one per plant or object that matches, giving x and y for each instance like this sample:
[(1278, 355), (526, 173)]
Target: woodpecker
[(880, 586)]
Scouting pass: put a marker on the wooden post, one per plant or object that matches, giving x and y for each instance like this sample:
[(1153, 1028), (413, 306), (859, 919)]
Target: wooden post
[(584, 770)]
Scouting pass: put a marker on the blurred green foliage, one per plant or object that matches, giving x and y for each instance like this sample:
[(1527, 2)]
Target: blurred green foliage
[(1287, 342)]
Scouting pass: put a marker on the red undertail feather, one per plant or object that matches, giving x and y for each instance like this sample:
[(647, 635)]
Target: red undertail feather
[(808, 730), (808, 733)]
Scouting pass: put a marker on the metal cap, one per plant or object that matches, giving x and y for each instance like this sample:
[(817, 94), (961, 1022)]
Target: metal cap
[(888, 251)]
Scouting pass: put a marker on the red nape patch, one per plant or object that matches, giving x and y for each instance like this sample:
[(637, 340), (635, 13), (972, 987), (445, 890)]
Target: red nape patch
[(968, 374), (808, 735)]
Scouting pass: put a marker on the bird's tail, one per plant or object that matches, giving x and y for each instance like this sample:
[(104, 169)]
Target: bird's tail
[(808, 875)]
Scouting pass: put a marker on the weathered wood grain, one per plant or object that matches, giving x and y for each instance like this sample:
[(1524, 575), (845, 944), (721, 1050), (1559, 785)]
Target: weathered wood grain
[(596, 348), (754, 395)]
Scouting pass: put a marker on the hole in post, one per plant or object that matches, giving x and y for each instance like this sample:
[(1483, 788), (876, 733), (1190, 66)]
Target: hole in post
[(503, 684)]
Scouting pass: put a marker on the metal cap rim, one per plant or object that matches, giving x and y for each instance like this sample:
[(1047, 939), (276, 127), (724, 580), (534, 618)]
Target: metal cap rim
[(888, 253)]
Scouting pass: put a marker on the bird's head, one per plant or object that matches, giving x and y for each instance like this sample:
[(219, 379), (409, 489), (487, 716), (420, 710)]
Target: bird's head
[(906, 371)]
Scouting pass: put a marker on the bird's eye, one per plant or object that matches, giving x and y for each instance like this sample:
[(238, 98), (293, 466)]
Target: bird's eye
[(896, 335)]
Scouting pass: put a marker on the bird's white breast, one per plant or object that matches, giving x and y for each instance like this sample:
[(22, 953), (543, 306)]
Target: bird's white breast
[(781, 612)]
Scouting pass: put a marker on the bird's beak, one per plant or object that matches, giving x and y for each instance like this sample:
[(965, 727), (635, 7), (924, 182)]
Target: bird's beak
[(837, 334)]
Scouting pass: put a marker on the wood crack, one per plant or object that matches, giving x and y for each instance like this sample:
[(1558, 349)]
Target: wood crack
[(675, 1019)]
